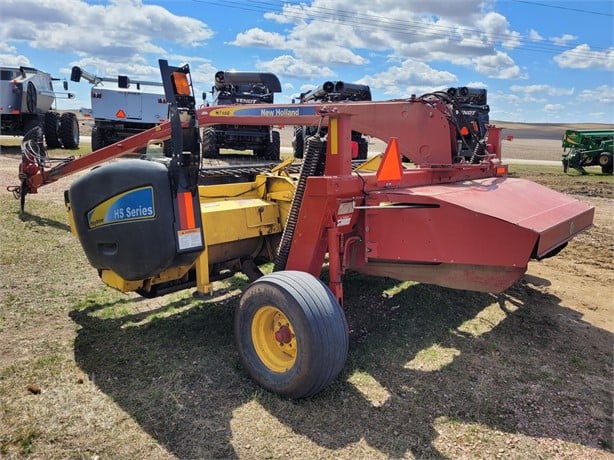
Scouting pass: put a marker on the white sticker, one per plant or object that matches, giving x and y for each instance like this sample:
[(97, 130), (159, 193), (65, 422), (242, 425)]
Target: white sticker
[(344, 220), (346, 208), (189, 239)]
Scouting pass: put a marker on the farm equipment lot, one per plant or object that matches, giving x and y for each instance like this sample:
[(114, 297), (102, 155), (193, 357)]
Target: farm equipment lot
[(432, 372)]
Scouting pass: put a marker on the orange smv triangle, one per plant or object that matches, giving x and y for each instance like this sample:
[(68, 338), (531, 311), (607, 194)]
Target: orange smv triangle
[(390, 169), (120, 114)]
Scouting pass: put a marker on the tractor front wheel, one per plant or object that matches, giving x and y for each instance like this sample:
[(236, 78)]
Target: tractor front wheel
[(605, 161), (291, 334)]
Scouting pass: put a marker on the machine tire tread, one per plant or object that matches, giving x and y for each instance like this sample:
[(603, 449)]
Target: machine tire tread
[(319, 323)]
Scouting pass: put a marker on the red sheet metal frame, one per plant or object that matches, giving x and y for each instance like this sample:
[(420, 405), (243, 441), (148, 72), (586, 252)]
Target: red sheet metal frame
[(424, 133), (87, 161), (335, 217)]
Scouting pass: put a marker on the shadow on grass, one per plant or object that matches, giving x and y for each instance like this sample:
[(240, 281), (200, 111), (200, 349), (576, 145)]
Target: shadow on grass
[(43, 221), (539, 371)]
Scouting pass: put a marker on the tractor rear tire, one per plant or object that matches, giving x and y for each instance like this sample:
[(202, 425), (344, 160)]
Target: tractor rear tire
[(291, 334), (52, 130), (98, 138), (298, 143), (69, 130), (209, 147), (272, 151)]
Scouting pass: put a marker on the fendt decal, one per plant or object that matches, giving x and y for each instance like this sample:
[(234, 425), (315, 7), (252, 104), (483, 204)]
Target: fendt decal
[(136, 204)]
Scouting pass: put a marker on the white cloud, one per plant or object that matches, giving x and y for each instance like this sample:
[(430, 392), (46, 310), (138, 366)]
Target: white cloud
[(120, 30), (496, 29), (257, 37), (289, 66), (499, 65), (331, 55), (11, 60), (463, 32), (582, 57), (410, 77), (603, 94), (553, 108), (6, 47), (563, 39), (535, 36)]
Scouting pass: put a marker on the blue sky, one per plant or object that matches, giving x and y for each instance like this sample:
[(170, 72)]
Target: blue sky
[(541, 61)]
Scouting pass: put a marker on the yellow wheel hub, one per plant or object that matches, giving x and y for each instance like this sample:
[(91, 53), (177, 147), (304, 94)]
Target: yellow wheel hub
[(274, 339)]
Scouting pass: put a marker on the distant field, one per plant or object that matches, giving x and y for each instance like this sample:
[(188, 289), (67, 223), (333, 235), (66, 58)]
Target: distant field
[(550, 131)]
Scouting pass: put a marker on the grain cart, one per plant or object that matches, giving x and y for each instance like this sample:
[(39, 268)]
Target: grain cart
[(26, 101), (588, 148), (158, 226), (329, 91), (121, 111), (243, 88)]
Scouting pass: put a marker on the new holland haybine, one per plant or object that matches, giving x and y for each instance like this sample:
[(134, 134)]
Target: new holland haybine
[(155, 226)]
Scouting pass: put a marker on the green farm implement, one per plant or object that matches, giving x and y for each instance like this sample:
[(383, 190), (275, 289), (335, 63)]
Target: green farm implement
[(588, 148)]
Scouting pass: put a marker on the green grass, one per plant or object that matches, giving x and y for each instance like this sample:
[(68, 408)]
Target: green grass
[(13, 145), (549, 172)]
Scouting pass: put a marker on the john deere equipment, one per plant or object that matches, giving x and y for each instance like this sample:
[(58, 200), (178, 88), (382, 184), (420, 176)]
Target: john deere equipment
[(158, 226), (588, 148)]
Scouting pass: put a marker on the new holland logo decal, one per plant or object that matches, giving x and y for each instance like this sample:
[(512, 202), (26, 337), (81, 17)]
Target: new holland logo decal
[(136, 204)]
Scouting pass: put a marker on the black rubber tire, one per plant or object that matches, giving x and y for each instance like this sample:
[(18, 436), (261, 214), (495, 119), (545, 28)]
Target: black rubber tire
[(605, 160), (31, 98), (52, 130), (209, 147), (298, 142), (363, 149), (98, 138), (318, 323), (272, 151), (69, 130)]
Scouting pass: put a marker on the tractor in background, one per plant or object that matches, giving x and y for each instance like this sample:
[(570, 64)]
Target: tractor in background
[(471, 115), (243, 88), (329, 91), (588, 148)]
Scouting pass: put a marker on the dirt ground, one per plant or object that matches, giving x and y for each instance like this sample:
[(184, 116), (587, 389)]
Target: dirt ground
[(573, 290)]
